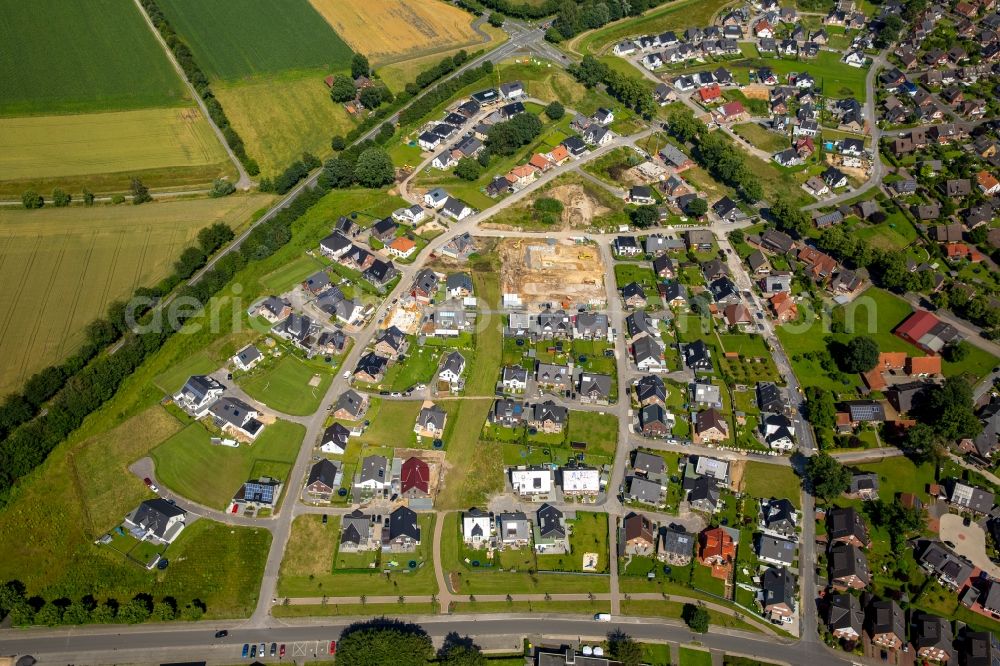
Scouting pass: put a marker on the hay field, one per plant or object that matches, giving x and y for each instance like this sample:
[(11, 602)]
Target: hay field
[(279, 117), (70, 57), (64, 265), (386, 29), (232, 40), (96, 143)]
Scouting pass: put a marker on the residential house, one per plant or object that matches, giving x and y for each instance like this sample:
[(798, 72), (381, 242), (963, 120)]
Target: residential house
[(675, 547), (431, 421), (403, 533), (548, 417), (698, 357), (650, 390), (550, 533), (776, 550), (158, 521), (514, 529), (334, 439), (932, 637), (583, 482), (717, 546), (594, 388), (507, 413), (534, 483), (514, 379), (391, 343), (655, 421), (976, 500), (554, 377), (704, 495), (886, 624), (778, 594), (846, 525), (848, 567), (477, 528), (236, 417), (373, 477), (356, 533), (778, 517), (350, 406), (415, 476), (324, 479), (648, 354), (950, 569), (371, 368), (711, 426), (451, 369), (638, 535), (845, 617), (198, 394)]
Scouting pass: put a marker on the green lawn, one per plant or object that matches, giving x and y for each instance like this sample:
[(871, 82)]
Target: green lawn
[(598, 431), (235, 40), (674, 16), (190, 465), (419, 367), (763, 481), (78, 57), (695, 657), (672, 610), (626, 273), (312, 567), (392, 422), (292, 273), (286, 385), (588, 534), (764, 139), (171, 381)]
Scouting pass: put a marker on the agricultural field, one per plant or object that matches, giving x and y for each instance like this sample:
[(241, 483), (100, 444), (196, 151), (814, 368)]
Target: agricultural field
[(79, 57), (172, 144), (67, 264), (231, 41), (279, 117), (387, 30), (398, 73), (267, 60)]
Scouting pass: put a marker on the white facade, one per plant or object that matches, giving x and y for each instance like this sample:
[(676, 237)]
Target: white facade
[(581, 481), (530, 482)]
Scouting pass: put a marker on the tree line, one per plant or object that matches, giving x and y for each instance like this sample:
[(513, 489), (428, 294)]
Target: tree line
[(631, 91), (442, 92), (26, 611), (716, 153), (74, 388), (200, 82), (572, 18)]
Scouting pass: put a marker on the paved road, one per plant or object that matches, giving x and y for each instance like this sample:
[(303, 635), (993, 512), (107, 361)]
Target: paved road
[(179, 642)]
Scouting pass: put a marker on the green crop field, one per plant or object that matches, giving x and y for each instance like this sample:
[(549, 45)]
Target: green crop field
[(190, 465), (232, 40), (81, 56), (65, 265)]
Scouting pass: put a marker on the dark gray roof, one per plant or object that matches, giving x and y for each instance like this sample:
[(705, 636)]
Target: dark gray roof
[(373, 468), (403, 523), (650, 386), (845, 613), (154, 514), (550, 524), (648, 463), (324, 471)]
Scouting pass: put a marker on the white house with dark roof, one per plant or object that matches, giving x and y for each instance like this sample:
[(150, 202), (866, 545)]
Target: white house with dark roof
[(236, 417), (198, 394), (246, 358), (477, 528), (156, 520)]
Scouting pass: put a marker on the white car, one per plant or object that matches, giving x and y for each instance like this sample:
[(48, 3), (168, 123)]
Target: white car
[(154, 488), (347, 374), (420, 387)]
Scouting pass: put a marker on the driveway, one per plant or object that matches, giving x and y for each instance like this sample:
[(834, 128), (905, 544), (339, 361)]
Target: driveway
[(970, 542)]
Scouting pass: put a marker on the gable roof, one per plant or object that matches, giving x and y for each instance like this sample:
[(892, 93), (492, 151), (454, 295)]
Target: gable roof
[(415, 475)]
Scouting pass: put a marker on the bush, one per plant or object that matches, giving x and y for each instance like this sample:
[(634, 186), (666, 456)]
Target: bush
[(222, 188), (32, 200), (467, 169), (548, 205), (88, 197), (555, 110), (61, 198)]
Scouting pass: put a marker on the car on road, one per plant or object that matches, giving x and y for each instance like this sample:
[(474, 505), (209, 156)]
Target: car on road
[(246, 650), (396, 394), (347, 374), (420, 387), (602, 617), (221, 633), (760, 315), (949, 544), (383, 393)]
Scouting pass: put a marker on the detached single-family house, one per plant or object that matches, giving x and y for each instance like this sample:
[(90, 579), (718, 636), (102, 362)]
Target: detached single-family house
[(157, 520), (431, 421), (402, 535), (324, 480), (198, 394), (534, 483), (477, 528)]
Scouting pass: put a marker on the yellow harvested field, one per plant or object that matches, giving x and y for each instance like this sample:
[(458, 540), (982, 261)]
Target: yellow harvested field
[(98, 143), (386, 29), (397, 74), (279, 117), (64, 265)]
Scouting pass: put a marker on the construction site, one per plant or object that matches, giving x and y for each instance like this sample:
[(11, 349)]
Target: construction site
[(560, 272)]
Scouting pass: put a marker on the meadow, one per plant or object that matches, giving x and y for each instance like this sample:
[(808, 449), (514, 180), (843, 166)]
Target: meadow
[(66, 264), (280, 116), (36, 148), (232, 40), (190, 465), (384, 30), (77, 57)]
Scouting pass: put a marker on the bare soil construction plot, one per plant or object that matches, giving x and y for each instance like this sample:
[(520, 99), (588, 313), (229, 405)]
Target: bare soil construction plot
[(558, 272), (579, 209)]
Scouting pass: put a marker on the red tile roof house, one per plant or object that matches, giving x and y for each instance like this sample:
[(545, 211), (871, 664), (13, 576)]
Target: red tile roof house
[(415, 477), (927, 332), (712, 93), (731, 112)]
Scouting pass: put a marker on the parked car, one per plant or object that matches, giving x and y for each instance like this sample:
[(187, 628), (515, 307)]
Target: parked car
[(246, 650), (221, 633)]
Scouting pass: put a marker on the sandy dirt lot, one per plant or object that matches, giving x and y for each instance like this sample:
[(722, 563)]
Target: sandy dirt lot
[(562, 272), (579, 209)]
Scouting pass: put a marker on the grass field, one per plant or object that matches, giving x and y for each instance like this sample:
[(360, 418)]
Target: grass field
[(38, 147), (766, 140), (695, 657), (232, 40), (280, 116), (386, 29), (66, 264), (285, 386), (190, 465), (676, 15), (763, 481), (75, 57)]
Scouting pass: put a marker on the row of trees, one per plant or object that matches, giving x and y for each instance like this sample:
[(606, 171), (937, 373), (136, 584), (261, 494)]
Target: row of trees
[(443, 92), (633, 92), (32, 200), (26, 611), (200, 82), (363, 164), (574, 17), (291, 176), (716, 153)]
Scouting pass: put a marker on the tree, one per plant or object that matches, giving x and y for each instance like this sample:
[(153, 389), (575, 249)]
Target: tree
[(222, 188), (49, 615), (76, 614), (374, 168), (337, 143), (140, 193), (467, 169), (134, 612), (555, 110), (828, 478), (644, 216), (310, 161), (820, 407), (460, 651), (32, 199), (957, 351), (374, 96), (949, 410), (622, 648), (862, 354), (61, 198), (683, 126), (497, 19), (360, 66), (384, 642), (88, 197), (342, 89), (696, 207), (695, 617), (338, 173)]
